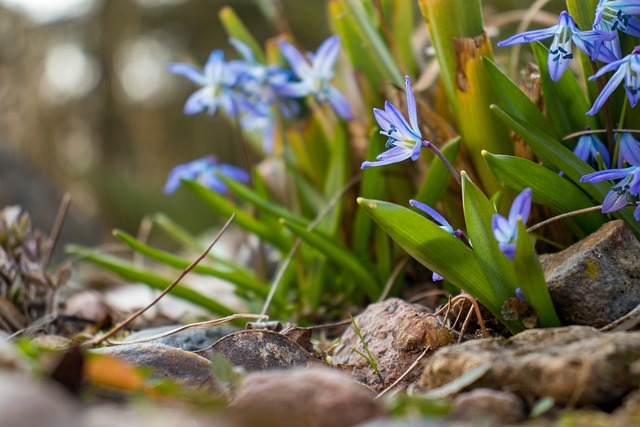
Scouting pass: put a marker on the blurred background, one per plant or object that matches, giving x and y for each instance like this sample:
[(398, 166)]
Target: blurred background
[(88, 107)]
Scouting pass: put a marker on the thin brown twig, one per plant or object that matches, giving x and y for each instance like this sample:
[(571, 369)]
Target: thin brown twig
[(55, 231), (404, 374), (566, 215), (117, 328), (590, 131), (392, 278), (197, 325)]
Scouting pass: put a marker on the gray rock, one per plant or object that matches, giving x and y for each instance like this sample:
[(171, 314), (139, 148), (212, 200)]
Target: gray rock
[(596, 280), (146, 415), (193, 339), (182, 367), (396, 333), (575, 365), (492, 406), (303, 397), (27, 402)]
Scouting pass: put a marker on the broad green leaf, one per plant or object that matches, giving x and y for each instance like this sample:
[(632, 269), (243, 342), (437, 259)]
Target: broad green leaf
[(511, 98), (549, 189), (128, 271), (439, 251), (438, 177), (478, 213), (530, 279), (547, 147), (234, 27), (564, 100), (225, 208), (339, 255), (368, 34), (400, 19), (240, 279)]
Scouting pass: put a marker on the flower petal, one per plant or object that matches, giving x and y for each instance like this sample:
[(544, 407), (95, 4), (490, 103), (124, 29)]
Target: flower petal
[(339, 103), (297, 62), (411, 105), (201, 100), (530, 36), (432, 213), (521, 207), (188, 71), (608, 89), (325, 57)]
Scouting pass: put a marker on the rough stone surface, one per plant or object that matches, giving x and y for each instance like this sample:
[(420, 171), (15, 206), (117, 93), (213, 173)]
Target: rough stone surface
[(395, 332), (491, 406), (182, 367), (575, 365), (27, 402), (596, 280), (259, 350), (311, 397), (193, 339)]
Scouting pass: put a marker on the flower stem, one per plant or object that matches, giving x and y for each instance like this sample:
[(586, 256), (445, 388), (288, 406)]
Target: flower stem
[(444, 159)]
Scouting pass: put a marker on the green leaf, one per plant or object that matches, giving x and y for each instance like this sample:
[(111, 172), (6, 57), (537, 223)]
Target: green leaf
[(564, 100), (225, 208), (368, 34), (438, 177), (549, 189), (335, 180), (478, 213), (439, 251), (511, 98), (338, 254), (547, 147), (130, 272), (531, 279), (246, 194), (234, 27), (240, 279)]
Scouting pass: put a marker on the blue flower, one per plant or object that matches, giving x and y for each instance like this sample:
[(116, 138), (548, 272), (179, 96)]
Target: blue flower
[(560, 51), (625, 191), (627, 71), (257, 117), (587, 149), (628, 150), (444, 224), (205, 171), (613, 16), (217, 81), (506, 230), (314, 77), (404, 138)]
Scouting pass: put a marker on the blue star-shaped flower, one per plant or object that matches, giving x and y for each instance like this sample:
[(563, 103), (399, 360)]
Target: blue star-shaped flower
[(315, 75), (217, 82), (625, 191), (613, 16), (628, 150), (564, 33), (505, 230), (205, 171), (404, 138), (588, 148), (627, 71)]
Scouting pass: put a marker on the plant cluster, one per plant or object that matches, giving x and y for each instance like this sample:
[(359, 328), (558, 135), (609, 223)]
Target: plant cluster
[(329, 253)]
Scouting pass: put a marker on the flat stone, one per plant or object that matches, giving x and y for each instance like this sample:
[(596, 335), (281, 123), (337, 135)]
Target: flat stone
[(575, 365), (596, 280), (170, 363), (310, 397), (396, 333)]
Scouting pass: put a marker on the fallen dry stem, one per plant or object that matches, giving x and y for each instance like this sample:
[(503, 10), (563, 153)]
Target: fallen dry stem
[(55, 231), (96, 341), (404, 374)]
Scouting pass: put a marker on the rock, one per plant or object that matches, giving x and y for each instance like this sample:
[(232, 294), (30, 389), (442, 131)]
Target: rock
[(575, 365), (146, 415), (303, 397), (27, 402), (193, 339), (87, 305), (259, 350), (179, 366), (491, 406), (596, 280), (395, 332)]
